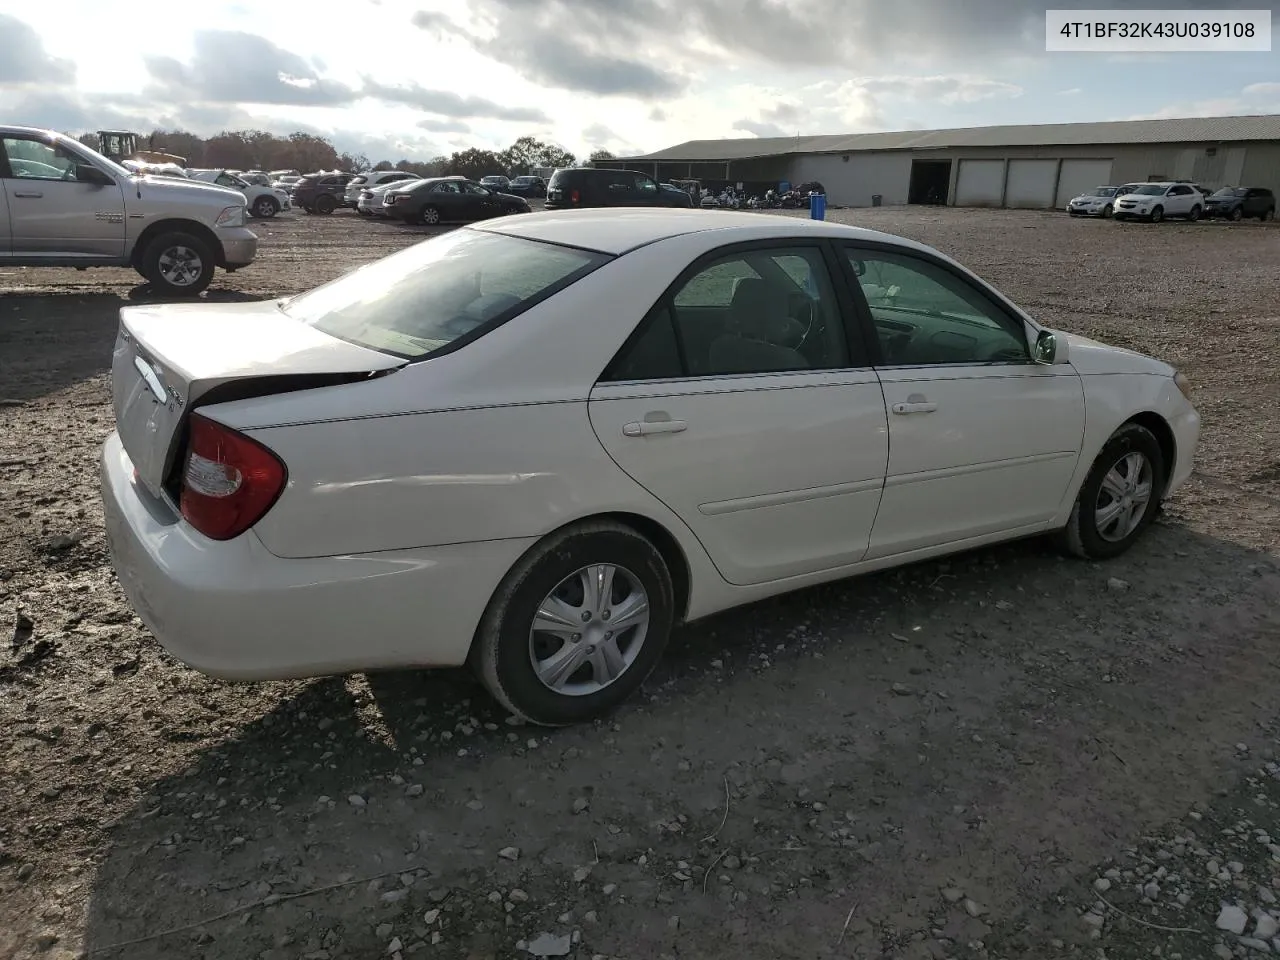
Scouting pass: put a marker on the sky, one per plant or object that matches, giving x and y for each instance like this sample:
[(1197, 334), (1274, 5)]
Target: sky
[(415, 79)]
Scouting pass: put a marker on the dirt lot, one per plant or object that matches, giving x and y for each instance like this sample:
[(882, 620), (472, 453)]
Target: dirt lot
[(936, 762)]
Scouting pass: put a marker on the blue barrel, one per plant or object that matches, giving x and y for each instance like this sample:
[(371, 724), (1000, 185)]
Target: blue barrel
[(817, 206)]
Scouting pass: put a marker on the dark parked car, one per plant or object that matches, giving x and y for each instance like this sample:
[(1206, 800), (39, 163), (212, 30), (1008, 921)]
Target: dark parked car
[(321, 192), (528, 186), (495, 182), (575, 187), (1236, 203), (448, 200)]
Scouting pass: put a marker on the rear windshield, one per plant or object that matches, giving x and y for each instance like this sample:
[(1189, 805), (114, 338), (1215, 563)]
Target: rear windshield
[(418, 301)]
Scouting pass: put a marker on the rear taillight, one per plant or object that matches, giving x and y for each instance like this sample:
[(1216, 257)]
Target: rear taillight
[(573, 196), (229, 481)]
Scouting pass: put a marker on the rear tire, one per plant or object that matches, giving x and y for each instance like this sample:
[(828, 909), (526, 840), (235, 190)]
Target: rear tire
[(431, 216), (325, 205), (1268, 214), (177, 265), (506, 650), (1194, 215), (1094, 531), (1106, 212)]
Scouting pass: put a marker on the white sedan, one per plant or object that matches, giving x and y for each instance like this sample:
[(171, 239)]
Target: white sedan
[(539, 443), (1098, 202)]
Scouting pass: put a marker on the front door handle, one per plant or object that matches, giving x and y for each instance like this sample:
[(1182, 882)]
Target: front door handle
[(33, 194), (646, 428), (920, 406)]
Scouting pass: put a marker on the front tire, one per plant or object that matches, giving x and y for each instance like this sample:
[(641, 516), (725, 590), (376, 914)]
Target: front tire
[(264, 208), (549, 647), (177, 264), (1157, 214), (1119, 497), (1237, 214), (325, 205)]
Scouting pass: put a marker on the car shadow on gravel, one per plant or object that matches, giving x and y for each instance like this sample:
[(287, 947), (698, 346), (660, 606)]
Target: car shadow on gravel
[(51, 340), (994, 722)]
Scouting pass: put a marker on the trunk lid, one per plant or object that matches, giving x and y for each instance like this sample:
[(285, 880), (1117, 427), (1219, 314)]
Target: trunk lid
[(171, 358)]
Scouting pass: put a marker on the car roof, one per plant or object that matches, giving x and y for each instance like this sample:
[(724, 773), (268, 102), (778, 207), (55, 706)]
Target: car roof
[(40, 131), (615, 230)]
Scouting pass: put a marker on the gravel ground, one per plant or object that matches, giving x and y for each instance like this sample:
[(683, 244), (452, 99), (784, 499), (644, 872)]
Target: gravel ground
[(1006, 754)]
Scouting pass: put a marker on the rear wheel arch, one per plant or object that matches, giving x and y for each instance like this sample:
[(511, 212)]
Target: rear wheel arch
[(673, 555), (193, 227)]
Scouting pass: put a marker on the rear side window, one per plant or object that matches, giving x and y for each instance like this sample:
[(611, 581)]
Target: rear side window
[(454, 287)]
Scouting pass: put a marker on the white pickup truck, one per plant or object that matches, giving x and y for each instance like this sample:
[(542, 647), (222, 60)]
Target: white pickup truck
[(64, 205)]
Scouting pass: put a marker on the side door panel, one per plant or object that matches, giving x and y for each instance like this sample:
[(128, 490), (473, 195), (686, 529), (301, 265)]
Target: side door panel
[(53, 217), (981, 439), (759, 430), (997, 454), (5, 233), (777, 475)]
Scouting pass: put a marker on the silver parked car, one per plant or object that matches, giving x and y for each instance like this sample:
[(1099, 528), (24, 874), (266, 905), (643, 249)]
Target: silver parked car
[(64, 205)]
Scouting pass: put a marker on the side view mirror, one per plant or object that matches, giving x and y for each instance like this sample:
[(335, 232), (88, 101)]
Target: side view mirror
[(1046, 348), (859, 267), (85, 173)]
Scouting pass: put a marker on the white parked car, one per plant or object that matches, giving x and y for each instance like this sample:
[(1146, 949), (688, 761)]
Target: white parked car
[(264, 202), (374, 178), (538, 443), (1098, 202), (370, 203), (1156, 201)]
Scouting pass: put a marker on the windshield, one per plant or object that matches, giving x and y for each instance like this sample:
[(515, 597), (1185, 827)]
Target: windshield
[(1151, 190), (1231, 192), (1103, 192), (419, 300)]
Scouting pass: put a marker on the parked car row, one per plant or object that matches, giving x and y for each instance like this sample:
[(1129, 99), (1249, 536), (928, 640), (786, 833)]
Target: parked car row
[(1173, 198), (434, 200)]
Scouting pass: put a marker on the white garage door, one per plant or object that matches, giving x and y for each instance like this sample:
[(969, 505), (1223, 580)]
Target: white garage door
[(980, 183), (1031, 183), (1080, 176)]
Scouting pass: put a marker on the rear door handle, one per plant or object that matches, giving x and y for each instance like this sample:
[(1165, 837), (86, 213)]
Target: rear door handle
[(34, 194), (645, 428), (922, 406)]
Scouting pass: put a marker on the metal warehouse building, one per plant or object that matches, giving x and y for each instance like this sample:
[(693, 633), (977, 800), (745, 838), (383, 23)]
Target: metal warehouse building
[(1032, 166)]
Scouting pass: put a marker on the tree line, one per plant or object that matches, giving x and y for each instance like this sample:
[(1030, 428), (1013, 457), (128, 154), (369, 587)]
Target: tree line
[(259, 150)]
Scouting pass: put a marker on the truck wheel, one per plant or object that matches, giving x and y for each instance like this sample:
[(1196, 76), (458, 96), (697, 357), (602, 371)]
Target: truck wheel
[(264, 208), (177, 264), (325, 205)]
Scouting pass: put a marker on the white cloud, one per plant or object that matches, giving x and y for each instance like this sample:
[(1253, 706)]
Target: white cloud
[(1071, 92)]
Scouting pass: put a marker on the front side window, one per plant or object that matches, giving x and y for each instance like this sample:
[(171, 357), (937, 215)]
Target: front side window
[(475, 189), (644, 185), (418, 301), (924, 314), (446, 187), (35, 160)]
